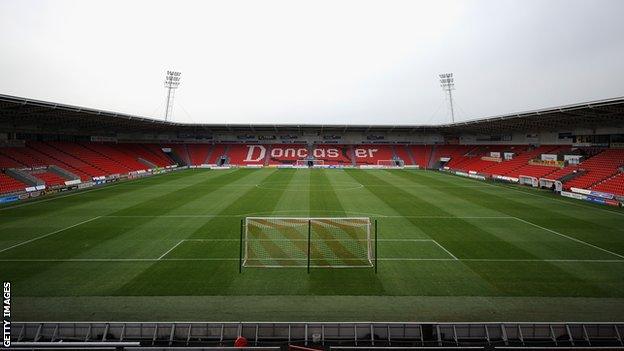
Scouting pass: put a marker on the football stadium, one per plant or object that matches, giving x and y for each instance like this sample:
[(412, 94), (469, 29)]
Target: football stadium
[(121, 231)]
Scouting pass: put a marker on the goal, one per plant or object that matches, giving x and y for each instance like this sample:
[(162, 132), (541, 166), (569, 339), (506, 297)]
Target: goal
[(391, 163), (330, 242), (309, 163)]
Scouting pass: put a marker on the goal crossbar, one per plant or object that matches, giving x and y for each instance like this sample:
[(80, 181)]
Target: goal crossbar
[(329, 242)]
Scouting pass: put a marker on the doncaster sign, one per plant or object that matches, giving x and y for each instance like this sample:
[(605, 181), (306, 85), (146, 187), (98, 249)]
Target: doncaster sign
[(257, 153)]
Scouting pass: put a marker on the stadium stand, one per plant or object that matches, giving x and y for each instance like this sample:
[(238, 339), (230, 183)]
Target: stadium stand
[(117, 153), (599, 171), (216, 153), (78, 166), (421, 154), (154, 154), (96, 160), (283, 153), (8, 162), (197, 153), (237, 155), (371, 154), (10, 185), (613, 185), (49, 178), (182, 151), (402, 152), (345, 155), (25, 157), (602, 166), (562, 172)]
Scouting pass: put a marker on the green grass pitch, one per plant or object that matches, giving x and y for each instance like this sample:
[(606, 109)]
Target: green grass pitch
[(450, 249)]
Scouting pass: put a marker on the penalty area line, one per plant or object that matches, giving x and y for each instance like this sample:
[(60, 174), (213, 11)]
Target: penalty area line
[(52, 233), (445, 250), (171, 249)]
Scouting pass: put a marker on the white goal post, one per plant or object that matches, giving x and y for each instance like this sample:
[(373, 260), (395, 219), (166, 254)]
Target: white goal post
[(328, 242), (306, 163), (391, 163)]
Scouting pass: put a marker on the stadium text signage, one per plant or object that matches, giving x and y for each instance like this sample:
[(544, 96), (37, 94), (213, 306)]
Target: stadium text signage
[(257, 153)]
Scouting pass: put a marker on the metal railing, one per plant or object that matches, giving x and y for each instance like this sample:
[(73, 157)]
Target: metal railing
[(361, 335)]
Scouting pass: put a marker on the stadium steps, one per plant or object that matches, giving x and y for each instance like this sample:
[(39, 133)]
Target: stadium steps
[(614, 184), (62, 172), (197, 153), (394, 153), (211, 148), (176, 158), (267, 157), (24, 177), (186, 155), (410, 154), (147, 163), (217, 151), (226, 151), (566, 173), (161, 158), (571, 175), (432, 155), (402, 152), (182, 153), (149, 152)]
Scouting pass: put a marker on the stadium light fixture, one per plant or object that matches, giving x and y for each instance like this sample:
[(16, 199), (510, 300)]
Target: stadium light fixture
[(172, 81), (447, 82)]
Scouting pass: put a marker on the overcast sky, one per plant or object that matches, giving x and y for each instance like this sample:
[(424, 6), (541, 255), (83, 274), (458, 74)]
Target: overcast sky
[(359, 62)]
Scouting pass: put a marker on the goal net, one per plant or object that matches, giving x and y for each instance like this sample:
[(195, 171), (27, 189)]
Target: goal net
[(307, 242), (390, 163), (309, 163)]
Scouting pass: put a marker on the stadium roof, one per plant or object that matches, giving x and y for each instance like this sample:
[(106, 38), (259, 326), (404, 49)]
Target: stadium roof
[(19, 114)]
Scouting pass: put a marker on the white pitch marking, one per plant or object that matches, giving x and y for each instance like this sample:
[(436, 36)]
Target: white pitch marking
[(404, 240), (237, 240), (171, 249), (46, 235), (268, 216), (497, 260), (569, 237), (319, 240), (580, 204), (445, 250), (236, 259)]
